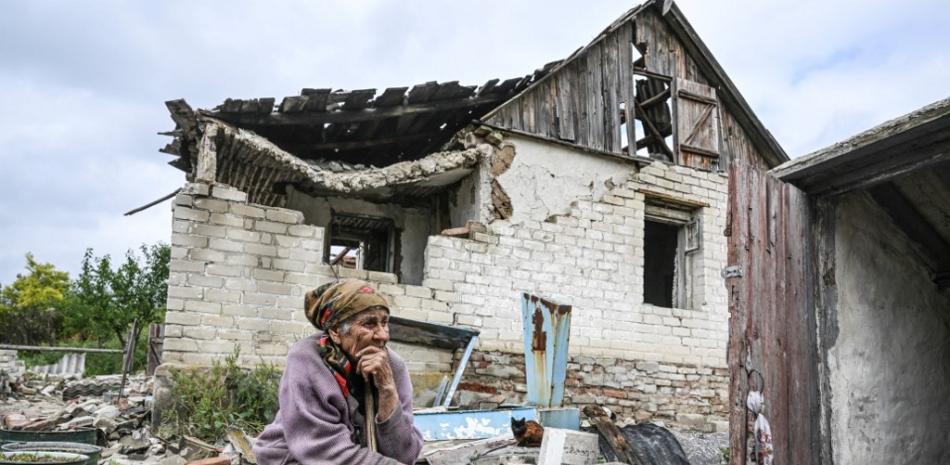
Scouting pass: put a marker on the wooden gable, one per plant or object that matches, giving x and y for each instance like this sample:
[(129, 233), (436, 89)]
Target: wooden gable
[(628, 73)]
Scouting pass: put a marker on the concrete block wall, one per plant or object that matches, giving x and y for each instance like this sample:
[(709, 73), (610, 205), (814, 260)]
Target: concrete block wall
[(239, 271)]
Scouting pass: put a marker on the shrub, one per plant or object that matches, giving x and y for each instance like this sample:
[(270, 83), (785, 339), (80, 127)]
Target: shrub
[(206, 402)]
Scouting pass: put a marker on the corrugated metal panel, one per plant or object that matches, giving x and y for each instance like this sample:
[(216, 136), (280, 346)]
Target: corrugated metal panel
[(71, 364)]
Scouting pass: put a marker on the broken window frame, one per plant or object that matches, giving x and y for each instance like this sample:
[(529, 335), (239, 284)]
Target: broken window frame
[(377, 240), (687, 220)]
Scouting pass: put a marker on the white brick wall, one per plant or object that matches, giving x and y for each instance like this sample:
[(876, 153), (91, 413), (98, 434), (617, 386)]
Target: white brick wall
[(239, 273)]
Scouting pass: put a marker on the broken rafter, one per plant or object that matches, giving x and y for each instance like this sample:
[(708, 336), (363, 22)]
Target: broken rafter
[(152, 203), (338, 117), (642, 114)]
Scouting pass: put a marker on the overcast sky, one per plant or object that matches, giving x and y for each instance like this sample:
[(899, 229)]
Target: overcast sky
[(82, 84)]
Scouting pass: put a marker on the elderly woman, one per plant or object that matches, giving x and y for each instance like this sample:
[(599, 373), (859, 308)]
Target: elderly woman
[(345, 398)]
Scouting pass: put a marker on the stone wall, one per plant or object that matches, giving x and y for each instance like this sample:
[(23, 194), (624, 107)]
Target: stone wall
[(680, 394), (239, 271)]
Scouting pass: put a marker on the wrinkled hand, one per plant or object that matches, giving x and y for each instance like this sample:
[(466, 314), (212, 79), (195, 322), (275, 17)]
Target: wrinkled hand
[(374, 361)]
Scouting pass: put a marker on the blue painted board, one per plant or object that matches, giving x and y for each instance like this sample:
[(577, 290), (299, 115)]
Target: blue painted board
[(469, 424)]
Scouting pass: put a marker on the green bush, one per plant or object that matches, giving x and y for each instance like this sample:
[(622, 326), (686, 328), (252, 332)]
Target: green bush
[(206, 402)]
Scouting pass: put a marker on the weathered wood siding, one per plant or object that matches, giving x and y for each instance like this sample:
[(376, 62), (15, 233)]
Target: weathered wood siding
[(772, 320), (581, 102)]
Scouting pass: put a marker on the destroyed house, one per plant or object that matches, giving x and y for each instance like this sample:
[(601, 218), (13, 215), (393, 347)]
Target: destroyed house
[(605, 182)]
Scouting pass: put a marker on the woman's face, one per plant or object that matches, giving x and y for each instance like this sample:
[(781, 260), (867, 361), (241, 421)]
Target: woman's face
[(368, 328)]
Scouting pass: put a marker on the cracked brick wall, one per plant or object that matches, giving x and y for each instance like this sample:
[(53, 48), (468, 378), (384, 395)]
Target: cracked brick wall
[(239, 271)]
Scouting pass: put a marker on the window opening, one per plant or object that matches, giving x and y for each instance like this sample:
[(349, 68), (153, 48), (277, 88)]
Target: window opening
[(361, 242), (672, 238), (659, 263)]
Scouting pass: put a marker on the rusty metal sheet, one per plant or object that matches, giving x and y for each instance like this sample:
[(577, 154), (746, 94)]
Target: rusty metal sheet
[(547, 329)]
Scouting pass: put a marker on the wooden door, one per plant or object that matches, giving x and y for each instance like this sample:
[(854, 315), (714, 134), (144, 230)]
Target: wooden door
[(772, 317)]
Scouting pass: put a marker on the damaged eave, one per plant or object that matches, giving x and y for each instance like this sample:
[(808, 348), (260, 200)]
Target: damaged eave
[(907, 143), (254, 164)]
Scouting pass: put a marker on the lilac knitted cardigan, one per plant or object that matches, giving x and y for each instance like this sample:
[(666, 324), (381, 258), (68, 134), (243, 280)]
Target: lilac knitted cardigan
[(313, 425)]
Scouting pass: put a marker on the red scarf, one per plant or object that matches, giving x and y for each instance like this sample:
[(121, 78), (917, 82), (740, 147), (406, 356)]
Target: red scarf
[(338, 362)]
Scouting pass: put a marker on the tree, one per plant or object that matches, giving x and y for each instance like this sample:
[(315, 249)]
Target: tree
[(106, 300), (30, 307)]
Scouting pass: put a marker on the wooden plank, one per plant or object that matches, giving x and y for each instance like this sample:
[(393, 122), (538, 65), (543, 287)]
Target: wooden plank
[(487, 87), (564, 107), (391, 97), (611, 77), (581, 103), (342, 117), (627, 89), (595, 98), (293, 104), (358, 99), (316, 99)]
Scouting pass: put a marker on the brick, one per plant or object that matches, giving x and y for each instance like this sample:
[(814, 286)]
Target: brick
[(195, 188), (227, 219), (180, 345), (185, 213), (418, 291), (186, 240), (245, 236), (301, 230), (216, 269), (222, 295), (270, 227), (217, 206), (207, 255), (260, 299), (381, 277), (254, 324), (182, 318), (247, 210), (209, 230), (289, 265), (284, 216), (185, 292), (202, 307), (259, 249), (226, 245), (268, 275), (241, 284), (250, 261), (197, 332), (220, 191), (239, 310), (218, 321)]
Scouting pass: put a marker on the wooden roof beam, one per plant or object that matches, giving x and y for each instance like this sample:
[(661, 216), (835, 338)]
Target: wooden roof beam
[(368, 114), (915, 226)]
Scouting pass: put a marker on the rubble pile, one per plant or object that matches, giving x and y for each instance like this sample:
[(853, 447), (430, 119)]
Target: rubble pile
[(122, 425)]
